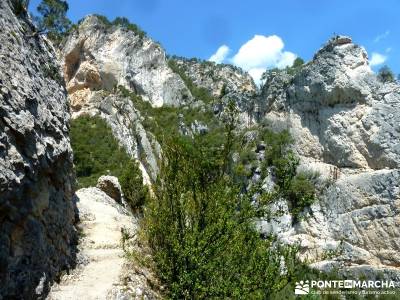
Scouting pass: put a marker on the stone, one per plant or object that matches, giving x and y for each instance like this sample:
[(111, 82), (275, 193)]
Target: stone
[(37, 213), (99, 56), (343, 121), (110, 185)]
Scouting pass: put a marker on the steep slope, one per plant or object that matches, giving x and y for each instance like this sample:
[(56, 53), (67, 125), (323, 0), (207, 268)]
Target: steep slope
[(345, 126), (225, 82), (100, 56), (37, 236), (100, 60)]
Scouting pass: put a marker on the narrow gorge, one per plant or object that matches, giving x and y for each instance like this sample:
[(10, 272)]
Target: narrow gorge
[(70, 230)]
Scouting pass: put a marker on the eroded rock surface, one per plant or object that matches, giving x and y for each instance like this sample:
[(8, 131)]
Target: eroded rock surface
[(100, 56), (37, 213), (345, 125), (110, 185)]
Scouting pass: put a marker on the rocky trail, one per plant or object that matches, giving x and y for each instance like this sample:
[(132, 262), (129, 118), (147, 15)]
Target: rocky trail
[(101, 255)]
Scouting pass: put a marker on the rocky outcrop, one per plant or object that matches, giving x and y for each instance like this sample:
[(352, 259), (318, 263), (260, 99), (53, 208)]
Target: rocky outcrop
[(99, 59), (345, 126), (225, 82), (37, 236), (110, 185), (100, 56)]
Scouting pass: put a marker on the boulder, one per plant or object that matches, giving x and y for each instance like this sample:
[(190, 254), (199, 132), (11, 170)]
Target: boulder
[(110, 185)]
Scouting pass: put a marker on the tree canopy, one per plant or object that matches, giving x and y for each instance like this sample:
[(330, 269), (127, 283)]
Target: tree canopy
[(53, 18)]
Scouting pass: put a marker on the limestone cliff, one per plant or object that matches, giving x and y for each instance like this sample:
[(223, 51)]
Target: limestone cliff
[(37, 236), (97, 59), (225, 82), (100, 56), (345, 126)]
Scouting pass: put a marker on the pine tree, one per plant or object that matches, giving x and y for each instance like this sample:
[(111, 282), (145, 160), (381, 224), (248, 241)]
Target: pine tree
[(53, 20)]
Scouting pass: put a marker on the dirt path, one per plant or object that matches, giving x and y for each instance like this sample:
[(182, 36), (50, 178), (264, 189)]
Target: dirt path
[(101, 223)]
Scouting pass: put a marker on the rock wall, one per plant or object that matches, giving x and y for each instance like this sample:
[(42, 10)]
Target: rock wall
[(99, 56), (37, 236), (345, 126)]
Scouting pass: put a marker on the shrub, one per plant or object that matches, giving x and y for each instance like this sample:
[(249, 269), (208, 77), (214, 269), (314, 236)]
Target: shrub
[(297, 188), (131, 181), (300, 193), (385, 74), (121, 22), (200, 230), (52, 72), (124, 22)]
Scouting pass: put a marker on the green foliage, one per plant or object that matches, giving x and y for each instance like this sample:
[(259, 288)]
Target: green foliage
[(164, 121), (297, 188), (385, 74), (131, 181), (54, 19), (102, 19), (300, 193), (292, 70), (201, 232), (199, 93), (122, 22), (96, 151), (20, 7)]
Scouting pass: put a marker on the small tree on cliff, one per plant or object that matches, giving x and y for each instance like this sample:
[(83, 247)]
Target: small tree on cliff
[(385, 74), (53, 19)]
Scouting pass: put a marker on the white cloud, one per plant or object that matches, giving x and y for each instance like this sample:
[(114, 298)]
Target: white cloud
[(256, 74), (258, 54), (220, 55), (261, 51), (377, 59), (381, 36)]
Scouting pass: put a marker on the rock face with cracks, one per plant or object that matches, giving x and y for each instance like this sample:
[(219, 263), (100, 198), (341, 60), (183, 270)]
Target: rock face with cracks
[(99, 56), (37, 236), (345, 126)]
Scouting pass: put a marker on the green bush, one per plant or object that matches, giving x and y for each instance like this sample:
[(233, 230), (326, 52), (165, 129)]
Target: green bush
[(300, 193), (200, 229), (124, 22), (131, 181), (385, 74), (53, 19), (96, 151), (297, 188), (51, 71)]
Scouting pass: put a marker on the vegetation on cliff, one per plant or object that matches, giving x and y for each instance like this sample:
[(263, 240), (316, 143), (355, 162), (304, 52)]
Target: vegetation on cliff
[(97, 152)]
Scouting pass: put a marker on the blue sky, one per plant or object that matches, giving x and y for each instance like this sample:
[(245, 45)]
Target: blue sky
[(288, 28)]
